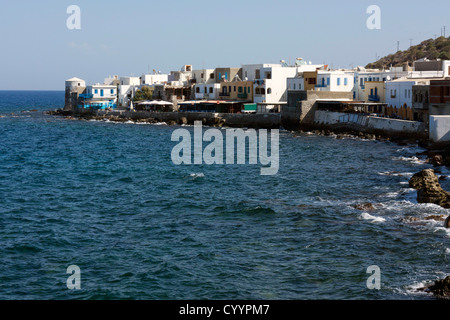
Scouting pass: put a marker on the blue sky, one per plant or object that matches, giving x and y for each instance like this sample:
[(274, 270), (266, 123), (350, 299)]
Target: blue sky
[(38, 51)]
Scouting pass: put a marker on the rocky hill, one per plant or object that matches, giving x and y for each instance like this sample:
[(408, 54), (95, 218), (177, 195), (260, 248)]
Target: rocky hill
[(430, 49)]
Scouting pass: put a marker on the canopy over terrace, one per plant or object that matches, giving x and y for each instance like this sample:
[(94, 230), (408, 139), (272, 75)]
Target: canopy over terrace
[(219, 106), (154, 105)]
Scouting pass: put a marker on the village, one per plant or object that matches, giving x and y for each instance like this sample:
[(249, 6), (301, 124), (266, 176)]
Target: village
[(411, 99)]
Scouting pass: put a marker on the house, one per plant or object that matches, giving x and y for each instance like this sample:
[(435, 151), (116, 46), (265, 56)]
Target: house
[(99, 96), (399, 96), (440, 97), (334, 80), (236, 90), (152, 79), (421, 102), (126, 89), (375, 91), (206, 91)]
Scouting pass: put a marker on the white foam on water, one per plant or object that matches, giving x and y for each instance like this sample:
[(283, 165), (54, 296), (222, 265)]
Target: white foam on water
[(447, 250), (442, 229), (373, 219), (197, 175), (410, 159), (159, 124), (413, 289)]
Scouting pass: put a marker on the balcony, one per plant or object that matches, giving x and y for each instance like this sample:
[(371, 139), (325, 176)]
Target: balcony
[(242, 95), (374, 98), (224, 94)]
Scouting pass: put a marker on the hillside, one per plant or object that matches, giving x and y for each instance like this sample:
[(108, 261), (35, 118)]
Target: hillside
[(430, 49)]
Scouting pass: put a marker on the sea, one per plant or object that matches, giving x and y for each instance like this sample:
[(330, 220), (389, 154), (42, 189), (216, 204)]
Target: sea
[(106, 200)]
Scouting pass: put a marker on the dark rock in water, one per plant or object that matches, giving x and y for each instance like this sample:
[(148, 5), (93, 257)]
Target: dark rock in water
[(171, 122), (437, 160), (365, 206), (441, 288), (428, 188), (447, 223), (183, 120)]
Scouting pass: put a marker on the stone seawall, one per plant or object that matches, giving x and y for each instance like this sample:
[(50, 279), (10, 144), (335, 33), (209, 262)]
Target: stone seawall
[(268, 120)]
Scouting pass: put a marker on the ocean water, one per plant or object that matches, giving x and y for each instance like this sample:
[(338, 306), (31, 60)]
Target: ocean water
[(106, 197)]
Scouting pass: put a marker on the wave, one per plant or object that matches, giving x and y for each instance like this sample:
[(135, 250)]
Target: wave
[(373, 219)]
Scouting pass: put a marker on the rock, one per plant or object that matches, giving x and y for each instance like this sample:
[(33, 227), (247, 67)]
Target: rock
[(183, 120), (171, 122), (441, 288), (428, 188), (437, 160), (447, 223), (365, 206), (435, 217)]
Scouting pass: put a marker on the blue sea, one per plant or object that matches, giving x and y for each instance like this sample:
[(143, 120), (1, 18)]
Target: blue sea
[(107, 198)]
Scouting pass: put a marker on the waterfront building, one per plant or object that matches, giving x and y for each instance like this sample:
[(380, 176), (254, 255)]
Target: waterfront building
[(205, 91), (74, 87), (99, 96), (421, 103), (334, 80), (126, 90), (440, 97)]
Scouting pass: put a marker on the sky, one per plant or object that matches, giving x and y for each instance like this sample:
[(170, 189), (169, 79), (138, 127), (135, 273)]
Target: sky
[(129, 38)]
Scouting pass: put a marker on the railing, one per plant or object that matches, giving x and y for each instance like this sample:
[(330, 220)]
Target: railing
[(224, 94), (373, 97)]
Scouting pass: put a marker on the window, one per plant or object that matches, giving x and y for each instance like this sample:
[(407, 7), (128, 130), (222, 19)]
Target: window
[(294, 86), (269, 90), (234, 89), (202, 75), (96, 91), (101, 92), (220, 76), (112, 91), (205, 90), (406, 93), (226, 76), (210, 90), (197, 90), (328, 81), (338, 81), (211, 75), (246, 74), (345, 81), (249, 90), (240, 89)]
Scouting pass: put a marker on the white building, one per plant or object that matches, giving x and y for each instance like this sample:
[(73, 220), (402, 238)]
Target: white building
[(362, 75), (126, 89), (207, 91), (101, 96), (152, 79), (399, 92), (203, 76), (335, 80)]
